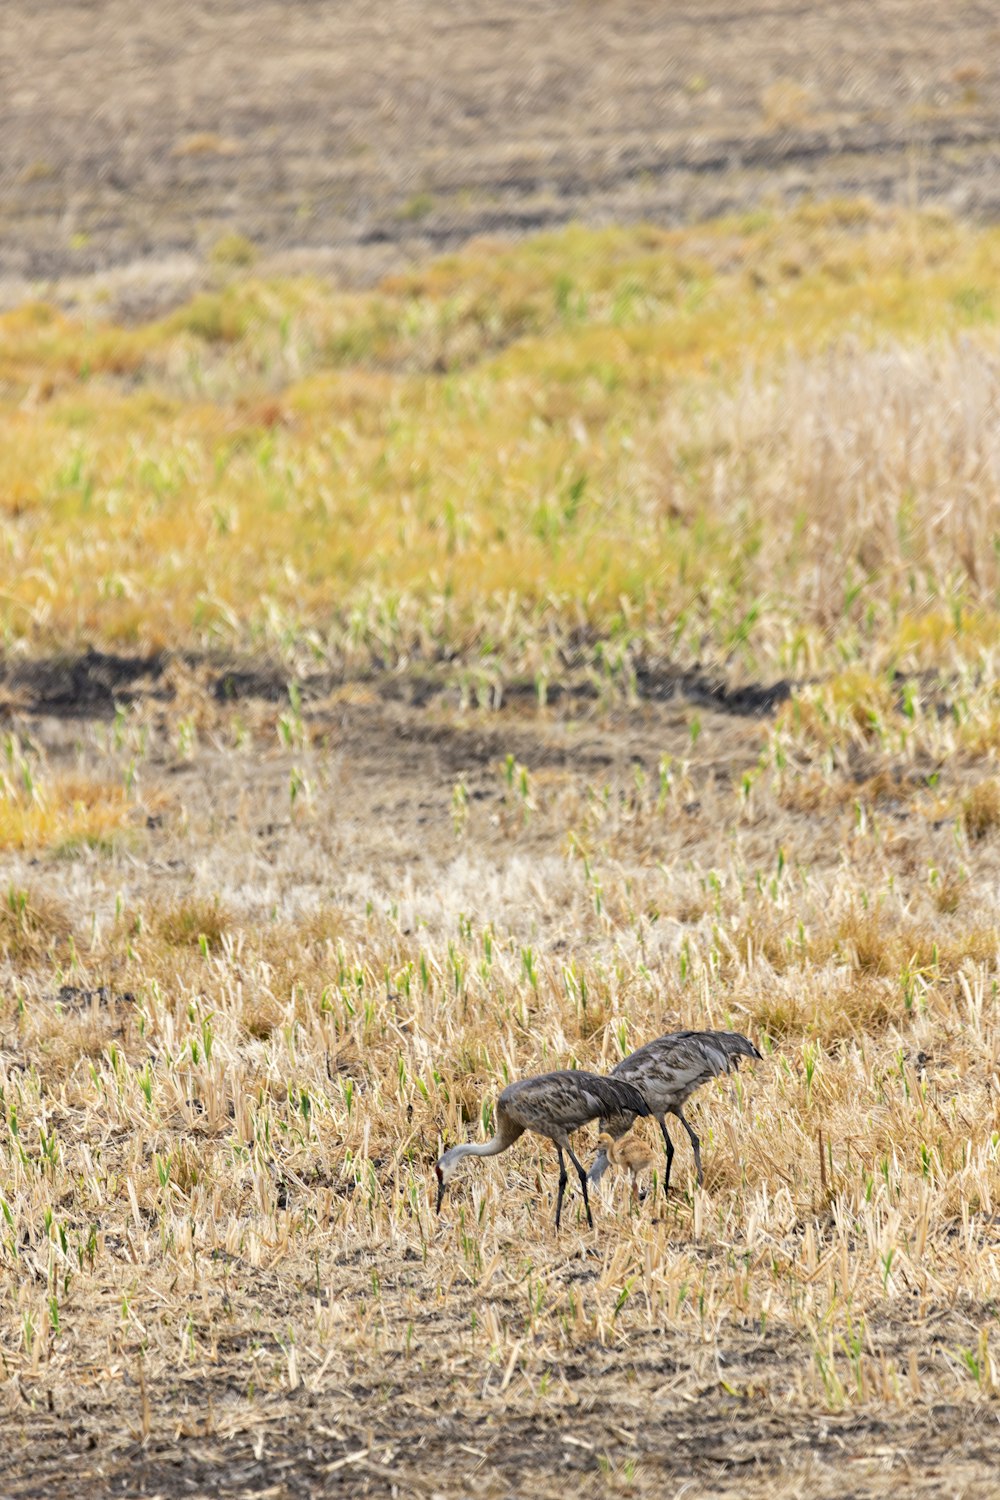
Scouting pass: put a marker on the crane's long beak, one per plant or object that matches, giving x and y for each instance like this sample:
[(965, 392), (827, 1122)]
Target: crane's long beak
[(441, 1193)]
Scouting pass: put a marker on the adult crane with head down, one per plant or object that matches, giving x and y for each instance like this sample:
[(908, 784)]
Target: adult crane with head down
[(553, 1105)]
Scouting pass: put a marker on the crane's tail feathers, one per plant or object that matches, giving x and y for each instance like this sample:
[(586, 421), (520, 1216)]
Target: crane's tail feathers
[(739, 1046), (621, 1098)]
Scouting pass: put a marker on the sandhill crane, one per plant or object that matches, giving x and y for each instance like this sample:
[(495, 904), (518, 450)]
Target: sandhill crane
[(627, 1152), (554, 1105), (666, 1072)]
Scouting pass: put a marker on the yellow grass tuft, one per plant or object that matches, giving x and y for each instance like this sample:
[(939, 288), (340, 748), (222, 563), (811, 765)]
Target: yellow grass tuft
[(30, 924), (63, 812), (234, 249), (205, 143), (981, 808), (784, 102), (193, 921)]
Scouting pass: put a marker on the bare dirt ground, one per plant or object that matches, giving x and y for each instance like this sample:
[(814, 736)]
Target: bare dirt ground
[(356, 137), (654, 1405)]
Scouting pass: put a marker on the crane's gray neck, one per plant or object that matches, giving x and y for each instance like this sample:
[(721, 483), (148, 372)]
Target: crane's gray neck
[(452, 1157), (507, 1132)]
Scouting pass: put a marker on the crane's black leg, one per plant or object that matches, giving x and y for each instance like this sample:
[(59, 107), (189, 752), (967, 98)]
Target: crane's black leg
[(583, 1182), (670, 1154), (563, 1179), (695, 1143)]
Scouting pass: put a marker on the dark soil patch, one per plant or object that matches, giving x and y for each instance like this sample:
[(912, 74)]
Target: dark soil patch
[(86, 687), (93, 684)]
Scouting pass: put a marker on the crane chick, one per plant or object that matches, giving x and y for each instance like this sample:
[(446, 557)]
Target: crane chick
[(628, 1153)]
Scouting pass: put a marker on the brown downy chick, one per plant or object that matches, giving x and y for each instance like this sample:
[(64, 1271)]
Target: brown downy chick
[(629, 1153)]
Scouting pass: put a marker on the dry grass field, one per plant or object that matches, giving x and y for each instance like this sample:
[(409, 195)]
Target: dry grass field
[(408, 690)]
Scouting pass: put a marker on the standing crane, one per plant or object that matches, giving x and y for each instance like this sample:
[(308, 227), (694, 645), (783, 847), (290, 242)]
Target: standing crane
[(553, 1105), (666, 1073)]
